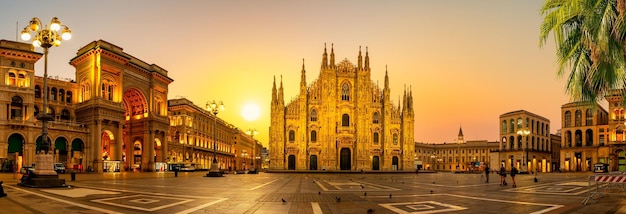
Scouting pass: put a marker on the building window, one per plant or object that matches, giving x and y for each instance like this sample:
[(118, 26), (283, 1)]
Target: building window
[(503, 129), (313, 136), (68, 97), (61, 95), (568, 119), (512, 126), (12, 78), (395, 139), (578, 118), (292, 135), (313, 115), (16, 108), (65, 114), (375, 118), (53, 94), (345, 91), (520, 122), (375, 137), (37, 91), (345, 120), (589, 118)]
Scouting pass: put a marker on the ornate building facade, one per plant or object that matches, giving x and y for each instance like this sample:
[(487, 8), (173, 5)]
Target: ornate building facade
[(341, 121), (112, 117), (584, 135), (526, 142)]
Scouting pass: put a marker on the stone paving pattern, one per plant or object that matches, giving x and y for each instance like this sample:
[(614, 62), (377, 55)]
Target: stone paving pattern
[(310, 193)]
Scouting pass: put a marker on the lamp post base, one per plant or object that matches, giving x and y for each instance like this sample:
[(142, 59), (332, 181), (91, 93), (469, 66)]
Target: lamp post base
[(214, 171)]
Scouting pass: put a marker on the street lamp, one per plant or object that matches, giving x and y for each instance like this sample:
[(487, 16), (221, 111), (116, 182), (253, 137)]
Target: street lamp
[(45, 37), (215, 108), (252, 133), (524, 132)]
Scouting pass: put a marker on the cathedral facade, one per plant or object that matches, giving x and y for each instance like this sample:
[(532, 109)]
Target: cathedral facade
[(342, 121)]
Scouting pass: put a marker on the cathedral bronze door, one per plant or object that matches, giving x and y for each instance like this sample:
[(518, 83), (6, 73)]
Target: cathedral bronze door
[(313, 162), (291, 162), (345, 159), (376, 163), (394, 162)]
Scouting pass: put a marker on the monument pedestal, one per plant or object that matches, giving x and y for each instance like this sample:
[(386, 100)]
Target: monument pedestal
[(44, 174), (214, 171)]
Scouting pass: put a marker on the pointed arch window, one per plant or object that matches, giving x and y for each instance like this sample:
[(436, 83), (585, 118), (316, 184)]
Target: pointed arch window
[(395, 139), (345, 120), (375, 118), (313, 115), (345, 91)]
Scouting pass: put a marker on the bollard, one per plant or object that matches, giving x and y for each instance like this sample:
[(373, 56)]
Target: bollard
[(73, 175), (176, 173)]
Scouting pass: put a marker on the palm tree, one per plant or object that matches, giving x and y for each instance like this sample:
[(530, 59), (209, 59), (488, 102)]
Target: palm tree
[(590, 37)]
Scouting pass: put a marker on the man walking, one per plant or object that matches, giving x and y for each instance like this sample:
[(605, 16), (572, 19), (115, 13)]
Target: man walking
[(487, 173)]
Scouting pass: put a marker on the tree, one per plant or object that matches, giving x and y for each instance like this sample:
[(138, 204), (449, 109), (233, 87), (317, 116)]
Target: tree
[(589, 37)]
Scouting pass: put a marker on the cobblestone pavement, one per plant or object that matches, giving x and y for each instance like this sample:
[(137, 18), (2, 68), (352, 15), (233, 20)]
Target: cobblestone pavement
[(442, 192)]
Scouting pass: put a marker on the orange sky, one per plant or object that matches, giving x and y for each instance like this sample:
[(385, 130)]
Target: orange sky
[(466, 61)]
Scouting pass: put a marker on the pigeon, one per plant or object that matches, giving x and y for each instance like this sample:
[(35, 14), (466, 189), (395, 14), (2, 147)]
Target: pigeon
[(283, 200)]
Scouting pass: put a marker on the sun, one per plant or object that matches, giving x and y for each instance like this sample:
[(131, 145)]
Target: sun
[(251, 111)]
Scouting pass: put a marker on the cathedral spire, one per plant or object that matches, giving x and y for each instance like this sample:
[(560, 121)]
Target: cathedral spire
[(324, 57), (367, 59), (281, 97), (460, 137), (303, 76), (386, 78), (360, 59), (274, 91), (332, 55)]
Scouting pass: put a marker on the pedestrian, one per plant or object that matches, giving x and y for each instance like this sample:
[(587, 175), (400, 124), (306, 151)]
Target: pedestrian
[(513, 173), (502, 175), (486, 173)]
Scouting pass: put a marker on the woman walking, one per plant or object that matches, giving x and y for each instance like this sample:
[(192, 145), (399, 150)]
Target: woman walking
[(502, 175), (513, 173)]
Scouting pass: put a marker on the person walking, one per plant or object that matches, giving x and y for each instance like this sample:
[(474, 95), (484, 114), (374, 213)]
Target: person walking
[(487, 173), (502, 175), (513, 173)]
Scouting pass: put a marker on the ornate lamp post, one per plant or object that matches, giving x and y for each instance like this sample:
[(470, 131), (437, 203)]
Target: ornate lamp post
[(45, 37), (215, 108), (524, 132)]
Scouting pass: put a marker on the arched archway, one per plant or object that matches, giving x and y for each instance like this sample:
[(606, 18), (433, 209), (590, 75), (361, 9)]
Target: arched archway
[(345, 159), (77, 152), (106, 138), (60, 148), (16, 144), (135, 104)]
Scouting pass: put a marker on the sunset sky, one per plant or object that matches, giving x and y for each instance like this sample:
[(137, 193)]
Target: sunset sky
[(467, 62)]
